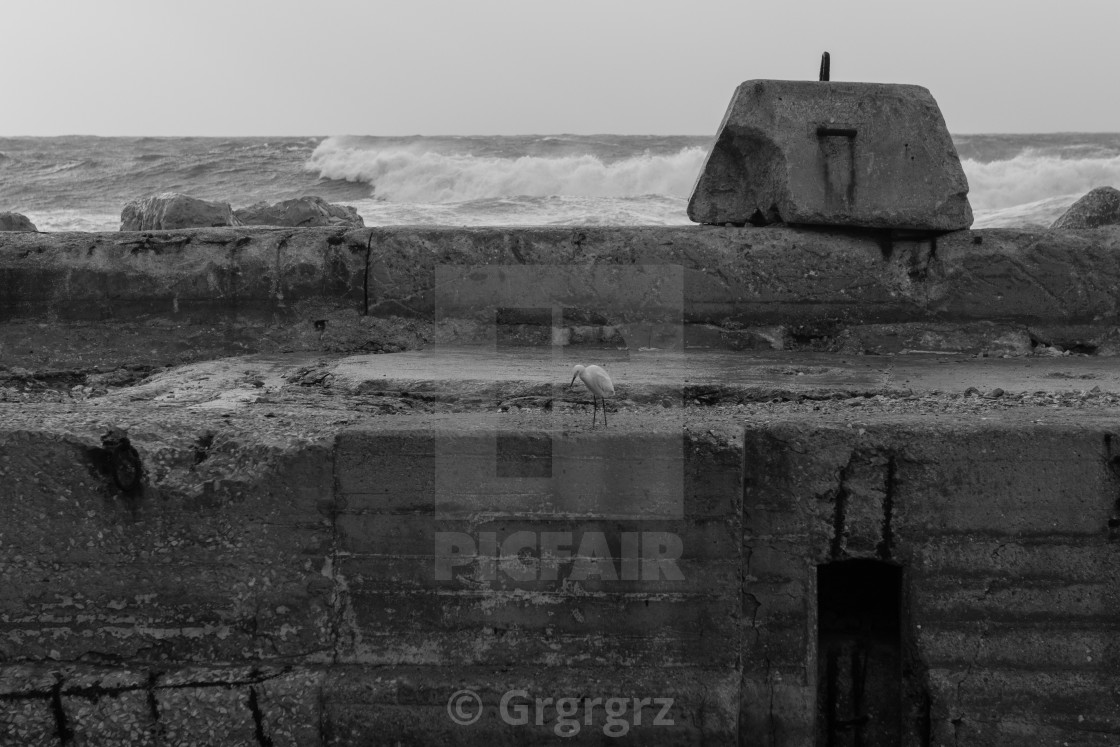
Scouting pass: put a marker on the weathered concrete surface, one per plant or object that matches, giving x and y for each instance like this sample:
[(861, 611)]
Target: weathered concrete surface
[(275, 575), (198, 275), (470, 378), (165, 297), (1099, 207), (1007, 540), (164, 574), (220, 560), (703, 709), (172, 210), (88, 704), (829, 153), (161, 298)]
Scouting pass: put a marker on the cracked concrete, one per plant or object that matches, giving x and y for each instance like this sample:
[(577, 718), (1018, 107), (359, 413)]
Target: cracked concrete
[(92, 705)]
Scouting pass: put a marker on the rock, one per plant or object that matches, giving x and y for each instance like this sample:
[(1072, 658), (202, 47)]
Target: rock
[(172, 210), (1099, 207), (304, 211), (846, 154), (16, 222)]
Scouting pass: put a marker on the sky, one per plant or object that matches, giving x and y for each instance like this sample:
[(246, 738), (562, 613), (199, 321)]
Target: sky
[(506, 67)]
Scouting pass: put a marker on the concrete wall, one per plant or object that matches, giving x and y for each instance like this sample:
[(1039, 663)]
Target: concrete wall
[(1009, 550), (173, 296), (280, 584), (259, 591), (295, 602)]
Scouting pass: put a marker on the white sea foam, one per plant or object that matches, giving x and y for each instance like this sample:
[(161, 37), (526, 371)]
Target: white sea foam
[(415, 174), (78, 183), (74, 220), (1030, 189), (1037, 214), (1031, 178)]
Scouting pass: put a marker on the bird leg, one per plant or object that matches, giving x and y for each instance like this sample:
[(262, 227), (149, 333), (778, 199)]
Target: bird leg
[(604, 412), (594, 409)]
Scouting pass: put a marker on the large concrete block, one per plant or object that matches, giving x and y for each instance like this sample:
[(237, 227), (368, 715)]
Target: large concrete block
[(846, 154), (186, 568), (185, 277)]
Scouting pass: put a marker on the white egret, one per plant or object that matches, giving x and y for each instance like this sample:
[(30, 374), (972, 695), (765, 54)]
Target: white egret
[(596, 380)]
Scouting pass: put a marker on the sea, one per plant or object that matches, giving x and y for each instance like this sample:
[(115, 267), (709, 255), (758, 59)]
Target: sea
[(79, 183)]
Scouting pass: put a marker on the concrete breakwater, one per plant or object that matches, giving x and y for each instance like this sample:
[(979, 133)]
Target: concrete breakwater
[(778, 541), (175, 296), (277, 581)]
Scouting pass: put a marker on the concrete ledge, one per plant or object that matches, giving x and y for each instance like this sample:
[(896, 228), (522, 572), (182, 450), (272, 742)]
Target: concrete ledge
[(164, 297)]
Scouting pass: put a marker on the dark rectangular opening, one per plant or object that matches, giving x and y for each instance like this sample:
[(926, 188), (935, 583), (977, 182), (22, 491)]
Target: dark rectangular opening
[(859, 654)]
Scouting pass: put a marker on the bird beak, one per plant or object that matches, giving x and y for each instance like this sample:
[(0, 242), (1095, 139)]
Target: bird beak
[(573, 381)]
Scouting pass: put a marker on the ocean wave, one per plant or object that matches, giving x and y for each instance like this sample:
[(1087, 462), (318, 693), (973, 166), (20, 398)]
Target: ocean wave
[(1029, 178), (1037, 214), (988, 148), (82, 183), (61, 168), (649, 210), (414, 173), (74, 220)]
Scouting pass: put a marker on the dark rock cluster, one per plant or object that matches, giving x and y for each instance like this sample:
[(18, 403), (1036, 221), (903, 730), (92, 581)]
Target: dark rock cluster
[(172, 211), (1099, 207), (16, 222)]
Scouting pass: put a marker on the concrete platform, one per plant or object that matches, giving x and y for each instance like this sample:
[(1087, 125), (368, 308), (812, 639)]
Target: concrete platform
[(294, 565), (467, 379), (274, 574)]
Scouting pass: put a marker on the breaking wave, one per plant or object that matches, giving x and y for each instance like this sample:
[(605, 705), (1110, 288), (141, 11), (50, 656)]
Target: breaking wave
[(1030, 177), (1033, 189), (81, 183), (414, 173)]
